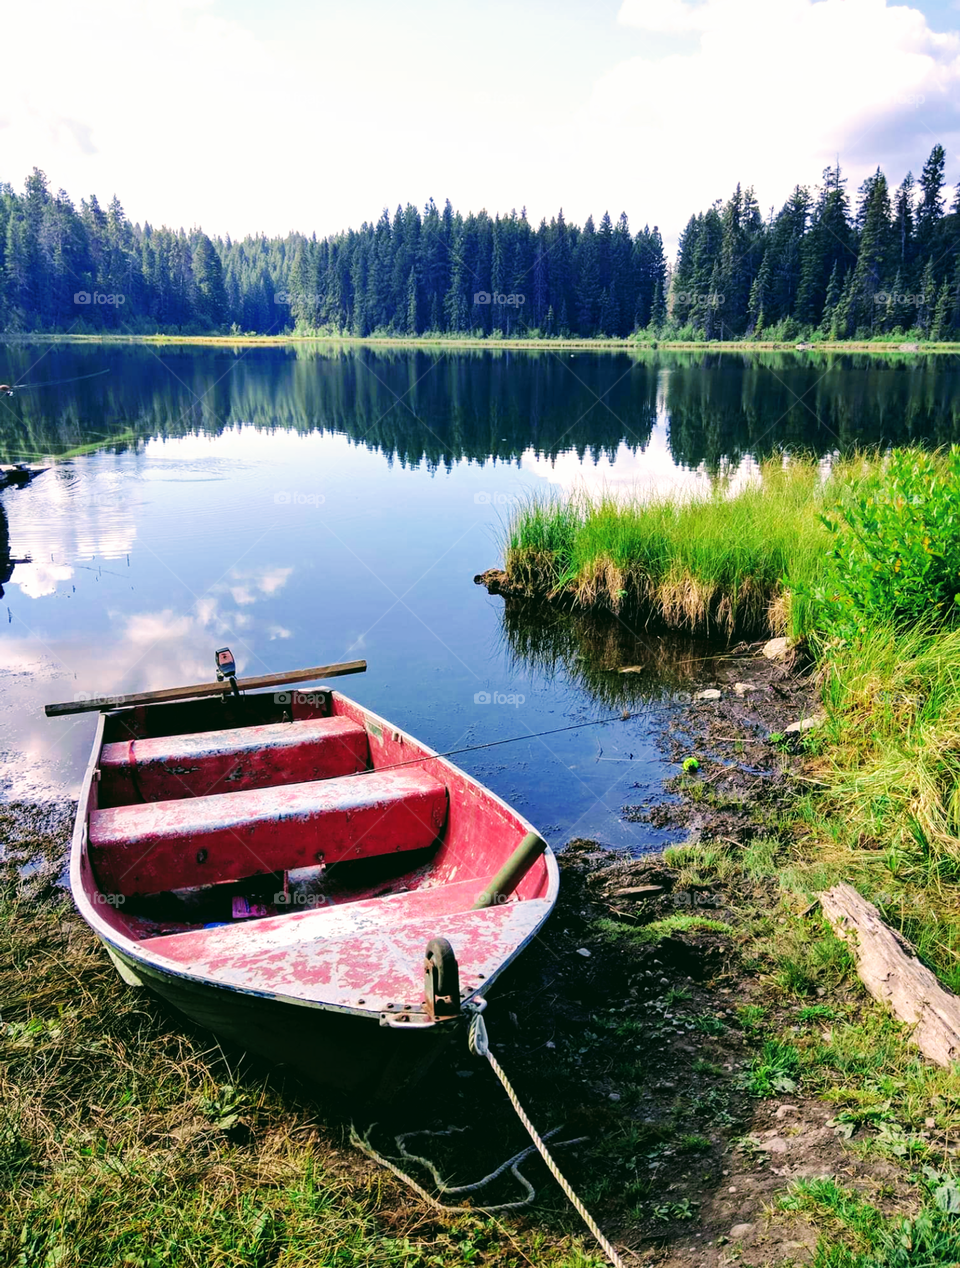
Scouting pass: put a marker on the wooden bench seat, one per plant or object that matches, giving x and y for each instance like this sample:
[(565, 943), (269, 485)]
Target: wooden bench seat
[(162, 845), (231, 760)]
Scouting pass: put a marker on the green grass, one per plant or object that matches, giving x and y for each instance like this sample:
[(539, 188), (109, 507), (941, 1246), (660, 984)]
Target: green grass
[(860, 1236), (657, 930), (713, 561)]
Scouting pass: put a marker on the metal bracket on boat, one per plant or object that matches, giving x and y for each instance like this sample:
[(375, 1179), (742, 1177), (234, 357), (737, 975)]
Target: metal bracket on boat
[(410, 1017), (441, 981)]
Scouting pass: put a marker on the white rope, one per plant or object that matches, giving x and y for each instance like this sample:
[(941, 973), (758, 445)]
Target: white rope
[(479, 1045), (363, 1143)]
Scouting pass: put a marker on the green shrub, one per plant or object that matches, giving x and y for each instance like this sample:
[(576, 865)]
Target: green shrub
[(896, 544)]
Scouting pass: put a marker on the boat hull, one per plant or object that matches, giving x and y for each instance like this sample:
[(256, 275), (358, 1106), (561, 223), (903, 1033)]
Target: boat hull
[(352, 1054)]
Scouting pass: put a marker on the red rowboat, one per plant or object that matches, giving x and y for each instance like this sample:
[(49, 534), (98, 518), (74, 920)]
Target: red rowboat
[(301, 877)]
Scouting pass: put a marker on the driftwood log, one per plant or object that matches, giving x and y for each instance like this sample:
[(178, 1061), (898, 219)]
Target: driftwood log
[(889, 969)]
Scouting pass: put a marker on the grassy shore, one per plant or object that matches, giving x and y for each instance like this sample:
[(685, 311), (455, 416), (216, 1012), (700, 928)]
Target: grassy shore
[(709, 562)]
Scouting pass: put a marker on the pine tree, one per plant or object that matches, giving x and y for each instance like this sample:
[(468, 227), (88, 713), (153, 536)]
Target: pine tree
[(928, 299), (940, 330), (208, 280), (930, 208), (587, 265), (412, 325), (859, 311), (834, 291)]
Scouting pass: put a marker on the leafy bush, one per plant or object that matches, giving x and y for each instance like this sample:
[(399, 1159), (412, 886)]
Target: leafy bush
[(896, 544)]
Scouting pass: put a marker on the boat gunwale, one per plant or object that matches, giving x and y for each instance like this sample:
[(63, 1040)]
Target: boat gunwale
[(132, 951)]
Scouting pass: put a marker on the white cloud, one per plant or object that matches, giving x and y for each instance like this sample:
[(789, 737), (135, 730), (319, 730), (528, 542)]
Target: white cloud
[(764, 91), (36, 580), (771, 93)]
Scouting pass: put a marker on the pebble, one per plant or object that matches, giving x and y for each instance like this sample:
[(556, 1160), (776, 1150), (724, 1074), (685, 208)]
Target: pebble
[(614, 1096), (710, 694), (784, 1110), (775, 1146), (776, 648), (805, 724), (664, 981), (549, 1044), (584, 952), (741, 688), (740, 1230), (929, 1122)]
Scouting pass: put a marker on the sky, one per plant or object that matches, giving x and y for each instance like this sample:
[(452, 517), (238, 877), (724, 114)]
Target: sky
[(242, 117)]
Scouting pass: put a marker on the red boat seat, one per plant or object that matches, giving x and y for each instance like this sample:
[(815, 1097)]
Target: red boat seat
[(232, 760), (161, 845)]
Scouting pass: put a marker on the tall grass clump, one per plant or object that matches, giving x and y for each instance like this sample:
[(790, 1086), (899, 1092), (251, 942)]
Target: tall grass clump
[(718, 561)]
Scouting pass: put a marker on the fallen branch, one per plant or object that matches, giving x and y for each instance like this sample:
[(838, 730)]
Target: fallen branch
[(889, 969)]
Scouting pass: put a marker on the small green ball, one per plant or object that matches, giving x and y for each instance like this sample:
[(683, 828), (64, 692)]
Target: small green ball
[(690, 763)]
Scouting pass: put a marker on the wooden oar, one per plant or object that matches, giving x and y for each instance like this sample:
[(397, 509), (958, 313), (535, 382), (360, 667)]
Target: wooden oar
[(94, 703)]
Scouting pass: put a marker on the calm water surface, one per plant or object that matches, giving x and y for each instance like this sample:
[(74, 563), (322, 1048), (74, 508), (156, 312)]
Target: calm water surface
[(311, 504)]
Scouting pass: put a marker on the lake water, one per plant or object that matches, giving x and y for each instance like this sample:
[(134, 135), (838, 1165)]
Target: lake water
[(310, 504)]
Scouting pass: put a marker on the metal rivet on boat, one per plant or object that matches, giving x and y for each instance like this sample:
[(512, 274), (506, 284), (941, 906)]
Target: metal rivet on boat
[(361, 1001), (389, 1006), (201, 856), (319, 856)]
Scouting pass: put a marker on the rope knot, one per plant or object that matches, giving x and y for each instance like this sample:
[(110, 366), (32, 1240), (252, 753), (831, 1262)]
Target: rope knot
[(477, 1037)]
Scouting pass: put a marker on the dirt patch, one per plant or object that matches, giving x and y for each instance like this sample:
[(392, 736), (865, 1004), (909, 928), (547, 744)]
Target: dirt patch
[(735, 744)]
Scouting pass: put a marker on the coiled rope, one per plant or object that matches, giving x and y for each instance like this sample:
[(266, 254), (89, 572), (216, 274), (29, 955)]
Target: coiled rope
[(480, 1047), (363, 1143)]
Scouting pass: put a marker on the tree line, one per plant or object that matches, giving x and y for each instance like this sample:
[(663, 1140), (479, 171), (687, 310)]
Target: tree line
[(818, 268), (821, 269)]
